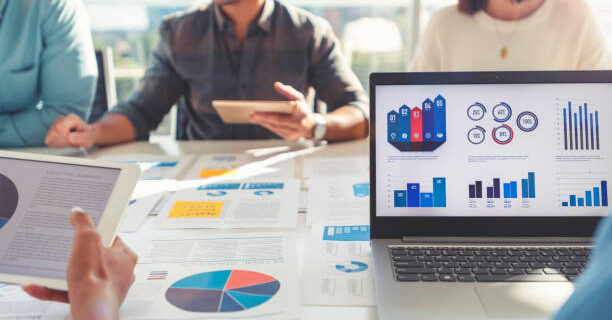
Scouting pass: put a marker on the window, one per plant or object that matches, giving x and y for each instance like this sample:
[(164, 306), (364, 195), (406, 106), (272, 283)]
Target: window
[(376, 35)]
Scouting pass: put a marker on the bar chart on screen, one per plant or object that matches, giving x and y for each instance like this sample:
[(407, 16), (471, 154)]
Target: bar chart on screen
[(582, 189), (507, 190), (410, 192), (579, 126)]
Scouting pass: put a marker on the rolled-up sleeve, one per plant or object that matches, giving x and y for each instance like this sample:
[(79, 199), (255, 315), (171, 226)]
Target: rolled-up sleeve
[(158, 91), (331, 77), (67, 75)]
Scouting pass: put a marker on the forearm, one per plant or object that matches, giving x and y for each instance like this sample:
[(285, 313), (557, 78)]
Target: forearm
[(112, 129), (346, 123)]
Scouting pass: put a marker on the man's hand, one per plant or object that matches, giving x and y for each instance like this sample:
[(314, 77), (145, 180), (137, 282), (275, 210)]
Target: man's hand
[(98, 277), (69, 131), (299, 124)]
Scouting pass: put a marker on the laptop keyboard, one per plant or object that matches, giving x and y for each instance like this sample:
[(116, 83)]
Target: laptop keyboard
[(478, 264)]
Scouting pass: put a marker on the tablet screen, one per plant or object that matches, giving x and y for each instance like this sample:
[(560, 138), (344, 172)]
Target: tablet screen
[(35, 200)]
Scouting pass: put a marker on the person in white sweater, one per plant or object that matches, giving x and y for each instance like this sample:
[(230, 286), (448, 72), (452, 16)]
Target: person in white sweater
[(513, 35)]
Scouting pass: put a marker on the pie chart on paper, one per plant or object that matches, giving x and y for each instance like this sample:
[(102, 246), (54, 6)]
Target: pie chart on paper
[(222, 291), (9, 198)]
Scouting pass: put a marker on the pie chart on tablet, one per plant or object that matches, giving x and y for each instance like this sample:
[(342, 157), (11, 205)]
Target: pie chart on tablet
[(222, 291), (8, 199)]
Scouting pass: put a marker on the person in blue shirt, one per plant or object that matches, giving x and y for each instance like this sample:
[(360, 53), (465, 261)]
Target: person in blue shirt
[(591, 298), (47, 67)]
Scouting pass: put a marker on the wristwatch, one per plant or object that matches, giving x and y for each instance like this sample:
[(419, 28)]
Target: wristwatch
[(320, 127)]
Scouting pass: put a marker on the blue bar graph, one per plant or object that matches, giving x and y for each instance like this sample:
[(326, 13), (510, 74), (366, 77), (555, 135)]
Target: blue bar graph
[(400, 198), (412, 197), (588, 198), (439, 192), (604, 193), (596, 197), (580, 130), (565, 204), (510, 188), (525, 188), (531, 178), (426, 200)]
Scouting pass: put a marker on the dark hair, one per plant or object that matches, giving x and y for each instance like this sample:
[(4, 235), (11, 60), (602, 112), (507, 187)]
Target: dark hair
[(472, 6)]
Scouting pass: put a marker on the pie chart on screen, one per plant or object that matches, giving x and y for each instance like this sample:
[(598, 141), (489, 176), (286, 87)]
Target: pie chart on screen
[(8, 199), (222, 291)]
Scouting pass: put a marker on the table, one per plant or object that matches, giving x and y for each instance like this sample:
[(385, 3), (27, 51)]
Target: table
[(301, 150)]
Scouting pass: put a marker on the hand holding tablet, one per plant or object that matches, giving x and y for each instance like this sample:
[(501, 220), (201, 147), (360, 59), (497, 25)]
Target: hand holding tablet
[(240, 111), (36, 235)]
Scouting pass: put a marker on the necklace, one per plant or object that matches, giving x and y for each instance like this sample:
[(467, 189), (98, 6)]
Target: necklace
[(504, 50)]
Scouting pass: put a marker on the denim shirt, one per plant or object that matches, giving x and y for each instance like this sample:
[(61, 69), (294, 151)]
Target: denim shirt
[(200, 58), (47, 67), (591, 299)]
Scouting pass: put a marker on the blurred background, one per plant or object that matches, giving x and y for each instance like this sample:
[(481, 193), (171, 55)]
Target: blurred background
[(379, 35)]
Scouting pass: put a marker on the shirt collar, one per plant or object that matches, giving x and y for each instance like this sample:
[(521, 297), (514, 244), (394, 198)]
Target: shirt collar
[(264, 21), (2, 7)]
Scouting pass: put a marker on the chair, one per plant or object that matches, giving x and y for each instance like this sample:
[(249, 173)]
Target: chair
[(106, 92)]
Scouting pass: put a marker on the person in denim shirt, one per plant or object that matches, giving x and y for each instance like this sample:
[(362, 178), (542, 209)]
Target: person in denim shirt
[(47, 67), (235, 50)]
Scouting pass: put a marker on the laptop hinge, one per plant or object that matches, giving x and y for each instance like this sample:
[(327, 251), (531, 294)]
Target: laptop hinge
[(495, 240)]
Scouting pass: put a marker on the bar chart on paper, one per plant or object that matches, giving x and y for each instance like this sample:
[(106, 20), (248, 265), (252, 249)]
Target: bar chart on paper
[(578, 189), (579, 126), (499, 189), (411, 193)]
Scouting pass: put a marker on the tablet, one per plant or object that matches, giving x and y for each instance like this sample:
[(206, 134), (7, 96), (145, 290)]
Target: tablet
[(37, 193), (236, 111)]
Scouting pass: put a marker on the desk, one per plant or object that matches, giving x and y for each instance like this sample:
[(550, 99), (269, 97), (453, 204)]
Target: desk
[(301, 150)]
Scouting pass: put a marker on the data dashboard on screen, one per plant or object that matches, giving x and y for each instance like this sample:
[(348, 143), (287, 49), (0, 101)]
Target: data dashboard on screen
[(493, 149)]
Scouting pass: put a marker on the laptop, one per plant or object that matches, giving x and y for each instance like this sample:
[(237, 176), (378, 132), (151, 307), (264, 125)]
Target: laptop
[(486, 190)]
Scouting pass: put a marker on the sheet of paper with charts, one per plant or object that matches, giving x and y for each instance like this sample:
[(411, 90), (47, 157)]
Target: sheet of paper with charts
[(338, 268), (250, 204), (215, 276), (340, 200), (241, 166), (154, 167), (336, 167)]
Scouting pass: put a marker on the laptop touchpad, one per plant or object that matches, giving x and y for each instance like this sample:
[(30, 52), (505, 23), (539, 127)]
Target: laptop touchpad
[(525, 301)]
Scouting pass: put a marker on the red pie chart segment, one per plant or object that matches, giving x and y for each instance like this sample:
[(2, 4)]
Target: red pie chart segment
[(239, 279)]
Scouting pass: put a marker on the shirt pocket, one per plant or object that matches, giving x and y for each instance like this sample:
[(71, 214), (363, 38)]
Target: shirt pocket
[(21, 88)]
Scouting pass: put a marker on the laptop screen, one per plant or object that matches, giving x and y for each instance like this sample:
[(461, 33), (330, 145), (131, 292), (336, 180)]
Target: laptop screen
[(493, 150)]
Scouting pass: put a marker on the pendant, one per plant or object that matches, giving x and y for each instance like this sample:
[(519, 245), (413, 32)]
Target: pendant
[(504, 52)]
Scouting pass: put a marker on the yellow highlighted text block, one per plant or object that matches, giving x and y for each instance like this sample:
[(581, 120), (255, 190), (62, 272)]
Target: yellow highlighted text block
[(196, 209), (207, 173)]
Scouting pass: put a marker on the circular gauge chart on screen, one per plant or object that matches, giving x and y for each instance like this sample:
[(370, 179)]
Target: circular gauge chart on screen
[(222, 291), (8, 199)]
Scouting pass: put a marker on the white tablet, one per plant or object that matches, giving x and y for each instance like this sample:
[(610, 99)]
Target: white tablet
[(235, 111), (37, 193)]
